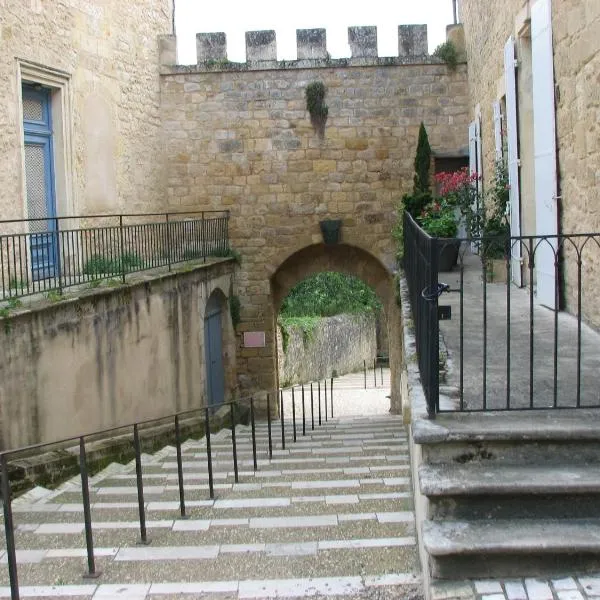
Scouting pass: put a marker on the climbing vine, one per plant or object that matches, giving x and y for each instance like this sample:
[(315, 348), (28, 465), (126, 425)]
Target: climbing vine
[(315, 104)]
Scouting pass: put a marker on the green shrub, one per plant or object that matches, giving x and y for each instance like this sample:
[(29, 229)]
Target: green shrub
[(327, 294), (447, 52)]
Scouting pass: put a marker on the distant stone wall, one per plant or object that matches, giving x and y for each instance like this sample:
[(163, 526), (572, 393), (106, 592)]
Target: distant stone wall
[(110, 357), (339, 344)]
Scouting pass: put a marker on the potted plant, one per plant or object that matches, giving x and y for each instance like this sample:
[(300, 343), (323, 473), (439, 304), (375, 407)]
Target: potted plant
[(439, 220), (459, 189), (495, 247)]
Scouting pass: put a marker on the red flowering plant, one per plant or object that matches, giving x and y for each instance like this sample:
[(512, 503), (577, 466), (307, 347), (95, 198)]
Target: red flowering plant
[(438, 219), (459, 189)]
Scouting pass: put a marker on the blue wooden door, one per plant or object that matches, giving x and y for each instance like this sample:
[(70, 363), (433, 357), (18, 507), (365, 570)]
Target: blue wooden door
[(39, 182), (213, 343)]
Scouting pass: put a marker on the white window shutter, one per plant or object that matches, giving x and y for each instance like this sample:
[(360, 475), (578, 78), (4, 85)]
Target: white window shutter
[(472, 148), (544, 146), (479, 155), (512, 135), (497, 130)]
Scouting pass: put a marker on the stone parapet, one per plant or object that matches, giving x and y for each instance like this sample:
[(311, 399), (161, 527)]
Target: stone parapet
[(312, 52)]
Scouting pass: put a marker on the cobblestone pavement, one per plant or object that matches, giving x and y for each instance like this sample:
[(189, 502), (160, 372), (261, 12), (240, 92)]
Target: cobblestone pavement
[(563, 588)]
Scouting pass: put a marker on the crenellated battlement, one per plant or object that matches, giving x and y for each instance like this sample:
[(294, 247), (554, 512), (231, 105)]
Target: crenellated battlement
[(311, 44)]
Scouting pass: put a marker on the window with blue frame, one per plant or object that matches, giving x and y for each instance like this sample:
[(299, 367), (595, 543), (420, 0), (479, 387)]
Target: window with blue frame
[(39, 181)]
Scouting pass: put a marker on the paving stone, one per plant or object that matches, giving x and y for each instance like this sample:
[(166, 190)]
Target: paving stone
[(538, 590), (569, 595), (515, 590), (488, 587)]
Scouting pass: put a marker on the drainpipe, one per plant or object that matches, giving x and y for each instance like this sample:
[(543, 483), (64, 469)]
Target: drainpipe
[(455, 11)]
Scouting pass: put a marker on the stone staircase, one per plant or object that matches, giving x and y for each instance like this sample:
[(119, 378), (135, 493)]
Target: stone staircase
[(329, 516), (511, 494)]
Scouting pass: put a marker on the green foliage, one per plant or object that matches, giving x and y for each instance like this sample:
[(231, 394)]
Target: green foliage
[(327, 294), (447, 52), (228, 253), (54, 296), (415, 203), (421, 196), (315, 104), (439, 220), (496, 227), (17, 284), (99, 265), (306, 325), (422, 163), (234, 309)]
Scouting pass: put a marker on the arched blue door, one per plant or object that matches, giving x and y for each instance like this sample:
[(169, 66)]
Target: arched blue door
[(213, 345)]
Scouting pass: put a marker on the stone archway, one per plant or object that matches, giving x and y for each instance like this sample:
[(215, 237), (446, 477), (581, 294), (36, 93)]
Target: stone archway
[(354, 261)]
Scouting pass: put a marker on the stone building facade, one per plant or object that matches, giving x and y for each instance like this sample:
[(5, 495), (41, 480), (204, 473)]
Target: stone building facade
[(239, 136), (555, 121), (94, 65)]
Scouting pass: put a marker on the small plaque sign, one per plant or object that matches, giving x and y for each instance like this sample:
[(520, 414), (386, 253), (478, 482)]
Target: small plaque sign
[(254, 339)]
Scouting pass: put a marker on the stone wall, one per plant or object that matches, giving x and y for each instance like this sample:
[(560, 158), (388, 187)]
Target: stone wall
[(575, 24), (110, 357), (238, 136), (339, 344), (101, 61)]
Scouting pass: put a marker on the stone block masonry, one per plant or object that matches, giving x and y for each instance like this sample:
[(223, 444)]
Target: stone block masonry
[(99, 61), (238, 136)]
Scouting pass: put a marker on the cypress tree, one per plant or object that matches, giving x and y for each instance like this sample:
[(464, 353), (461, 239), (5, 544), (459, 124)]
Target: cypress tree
[(422, 163)]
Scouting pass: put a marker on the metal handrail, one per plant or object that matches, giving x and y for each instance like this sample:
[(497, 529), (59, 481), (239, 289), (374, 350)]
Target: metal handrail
[(92, 572), (50, 254)]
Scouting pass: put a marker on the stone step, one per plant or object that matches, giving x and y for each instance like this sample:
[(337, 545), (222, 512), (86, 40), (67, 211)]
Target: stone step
[(511, 547), (519, 437), (330, 515), (500, 491), (397, 585)]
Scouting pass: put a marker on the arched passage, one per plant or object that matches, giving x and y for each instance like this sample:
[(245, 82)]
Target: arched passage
[(352, 261)]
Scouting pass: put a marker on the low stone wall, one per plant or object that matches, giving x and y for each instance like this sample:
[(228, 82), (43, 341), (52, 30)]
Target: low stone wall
[(339, 343), (110, 356)]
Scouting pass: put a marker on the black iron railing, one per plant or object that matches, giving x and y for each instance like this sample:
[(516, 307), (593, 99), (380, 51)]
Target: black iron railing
[(420, 267), (315, 396), (517, 338), (50, 254)]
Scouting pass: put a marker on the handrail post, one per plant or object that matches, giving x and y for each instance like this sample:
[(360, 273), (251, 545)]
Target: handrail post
[(140, 485), (365, 372), (234, 444), (179, 468), (122, 245), (325, 386), (269, 425), (87, 516), (11, 553), (58, 258), (303, 413), (375, 372), (294, 413), (312, 407), (282, 422), (203, 238), (319, 397), (211, 487), (331, 396), (253, 425), (168, 225)]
